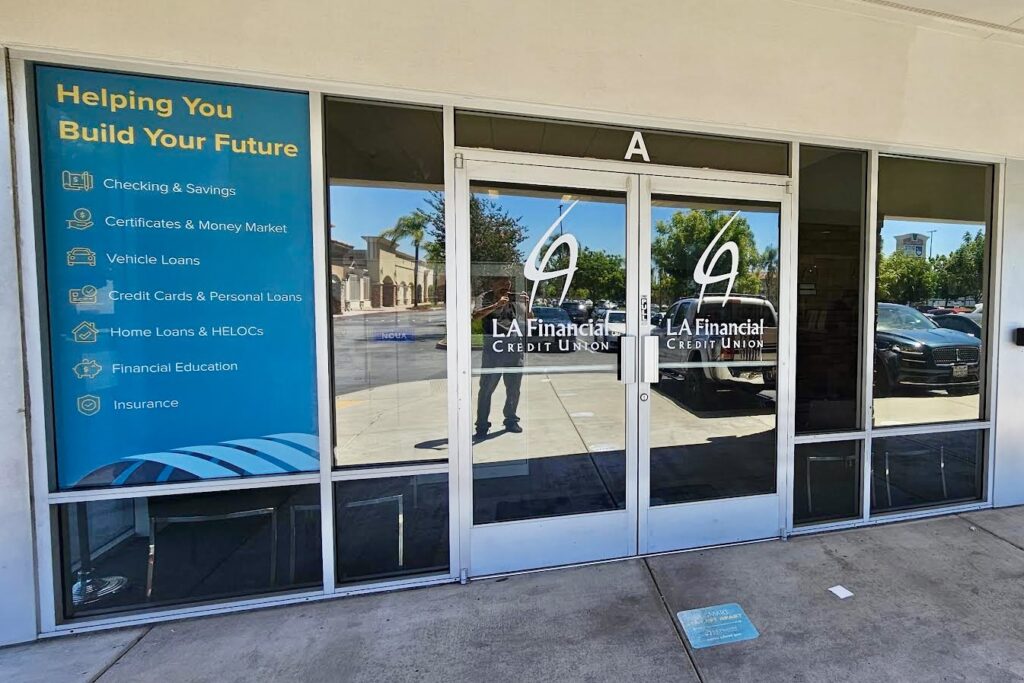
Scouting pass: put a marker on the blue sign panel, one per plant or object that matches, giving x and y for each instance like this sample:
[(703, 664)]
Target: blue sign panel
[(717, 625), (179, 238), (394, 336)]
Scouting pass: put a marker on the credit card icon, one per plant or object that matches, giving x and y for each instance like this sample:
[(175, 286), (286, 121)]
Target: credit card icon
[(83, 295)]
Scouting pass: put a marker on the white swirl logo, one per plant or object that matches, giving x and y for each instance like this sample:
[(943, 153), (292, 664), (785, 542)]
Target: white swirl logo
[(702, 273), (536, 272)]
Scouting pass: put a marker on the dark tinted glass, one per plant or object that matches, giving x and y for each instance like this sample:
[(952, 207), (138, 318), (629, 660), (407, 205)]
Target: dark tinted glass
[(926, 469), (830, 258), (571, 139), (367, 141), (138, 553), (391, 527), (826, 482), (933, 246)]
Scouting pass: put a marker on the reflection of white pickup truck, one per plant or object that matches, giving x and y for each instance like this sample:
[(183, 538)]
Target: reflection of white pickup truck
[(730, 341), (614, 327)]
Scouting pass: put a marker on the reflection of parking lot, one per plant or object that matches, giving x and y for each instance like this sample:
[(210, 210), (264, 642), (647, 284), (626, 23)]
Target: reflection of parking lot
[(562, 413), (926, 406)]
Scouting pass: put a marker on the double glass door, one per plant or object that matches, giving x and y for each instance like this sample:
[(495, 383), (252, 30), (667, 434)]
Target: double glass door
[(618, 346)]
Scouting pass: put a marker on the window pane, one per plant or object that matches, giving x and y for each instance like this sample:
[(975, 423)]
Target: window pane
[(933, 220), (571, 139), (826, 482), (549, 410), (160, 551), (391, 527), (926, 469), (387, 261), (828, 378), (713, 411)]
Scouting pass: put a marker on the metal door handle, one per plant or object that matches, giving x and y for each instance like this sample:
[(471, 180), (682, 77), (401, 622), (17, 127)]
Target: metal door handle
[(627, 359), (649, 362)]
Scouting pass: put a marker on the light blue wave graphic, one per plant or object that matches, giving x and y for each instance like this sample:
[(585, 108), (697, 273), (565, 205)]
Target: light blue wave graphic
[(271, 454)]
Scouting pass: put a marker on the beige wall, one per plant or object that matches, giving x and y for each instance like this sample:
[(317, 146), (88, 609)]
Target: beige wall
[(815, 67)]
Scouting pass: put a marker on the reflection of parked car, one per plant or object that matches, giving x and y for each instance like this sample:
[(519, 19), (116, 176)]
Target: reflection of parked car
[(706, 355), (911, 350), (614, 327), (577, 311), (557, 333), (969, 323)]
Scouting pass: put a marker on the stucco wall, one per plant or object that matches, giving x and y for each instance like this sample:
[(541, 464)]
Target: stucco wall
[(817, 67)]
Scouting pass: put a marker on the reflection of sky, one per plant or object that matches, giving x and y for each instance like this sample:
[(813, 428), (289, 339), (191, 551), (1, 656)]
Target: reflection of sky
[(358, 211), (946, 238), (597, 224)]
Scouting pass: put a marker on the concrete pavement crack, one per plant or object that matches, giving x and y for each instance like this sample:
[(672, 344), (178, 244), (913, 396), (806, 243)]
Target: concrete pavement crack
[(675, 622), (123, 652), (971, 522)]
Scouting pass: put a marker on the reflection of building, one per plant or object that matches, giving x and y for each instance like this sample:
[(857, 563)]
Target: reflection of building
[(913, 244), (380, 276), (350, 280)]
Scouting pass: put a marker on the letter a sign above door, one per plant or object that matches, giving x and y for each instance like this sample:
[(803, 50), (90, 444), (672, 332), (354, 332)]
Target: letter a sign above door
[(637, 146)]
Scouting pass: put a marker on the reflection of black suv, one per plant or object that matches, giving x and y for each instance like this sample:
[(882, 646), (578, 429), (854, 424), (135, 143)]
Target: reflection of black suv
[(577, 311), (911, 351)]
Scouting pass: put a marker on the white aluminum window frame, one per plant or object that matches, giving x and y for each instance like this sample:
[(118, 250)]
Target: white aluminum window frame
[(864, 437), (44, 501)]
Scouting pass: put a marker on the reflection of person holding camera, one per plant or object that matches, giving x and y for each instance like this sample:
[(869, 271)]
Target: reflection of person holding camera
[(498, 312)]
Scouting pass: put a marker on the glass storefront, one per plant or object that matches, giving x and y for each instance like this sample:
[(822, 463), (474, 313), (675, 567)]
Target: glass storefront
[(653, 340)]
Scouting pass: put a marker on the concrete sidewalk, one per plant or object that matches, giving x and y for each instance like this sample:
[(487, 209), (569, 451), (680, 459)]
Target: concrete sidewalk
[(939, 599)]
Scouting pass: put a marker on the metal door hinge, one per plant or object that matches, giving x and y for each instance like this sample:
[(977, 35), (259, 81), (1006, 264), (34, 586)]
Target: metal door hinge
[(459, 160), (463, 577), (789, 187)]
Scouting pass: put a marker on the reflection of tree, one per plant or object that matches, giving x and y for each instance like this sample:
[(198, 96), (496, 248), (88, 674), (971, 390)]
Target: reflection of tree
[(599, 275), (905, 279), (680, 241), (957, 276), (963, 271), (495, 235)]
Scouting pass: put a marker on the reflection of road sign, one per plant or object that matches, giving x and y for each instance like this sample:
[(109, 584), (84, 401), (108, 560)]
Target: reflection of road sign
[(76, 181), (88, 404), (81, 256), (85, 332), (82, 295), (87, 369), (702, 273), (81, 219), (537, 273)]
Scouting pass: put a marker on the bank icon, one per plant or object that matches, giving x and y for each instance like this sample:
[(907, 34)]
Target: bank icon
[(81, 219), (88, 404), (81, 256), (85, 332), (81, 182), (87, 369), (83, 295)]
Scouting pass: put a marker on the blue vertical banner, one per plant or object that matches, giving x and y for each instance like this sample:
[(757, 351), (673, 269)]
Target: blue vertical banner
[(179, 275)]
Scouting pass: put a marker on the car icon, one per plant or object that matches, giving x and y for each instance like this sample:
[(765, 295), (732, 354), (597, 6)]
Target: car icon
[(81, 256)]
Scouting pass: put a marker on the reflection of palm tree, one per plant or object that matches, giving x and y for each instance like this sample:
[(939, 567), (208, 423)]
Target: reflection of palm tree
[(412, 227)]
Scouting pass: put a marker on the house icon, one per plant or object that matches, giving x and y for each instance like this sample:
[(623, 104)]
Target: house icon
[(85, 332)]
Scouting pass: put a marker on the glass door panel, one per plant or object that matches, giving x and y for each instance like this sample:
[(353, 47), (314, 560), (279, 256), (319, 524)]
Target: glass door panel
[(548, 458), (547, 274), (713, 410)]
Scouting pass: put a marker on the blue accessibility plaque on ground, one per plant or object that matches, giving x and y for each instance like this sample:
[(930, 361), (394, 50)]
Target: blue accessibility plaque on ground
[(717, 625)]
